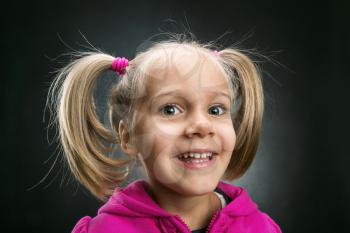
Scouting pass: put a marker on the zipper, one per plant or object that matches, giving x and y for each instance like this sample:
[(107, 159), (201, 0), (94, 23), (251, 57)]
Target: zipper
[(183, 222), (209, 226), (212, 221)]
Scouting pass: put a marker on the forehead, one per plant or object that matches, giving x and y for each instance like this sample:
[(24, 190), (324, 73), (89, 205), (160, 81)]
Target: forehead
[(186, 69)]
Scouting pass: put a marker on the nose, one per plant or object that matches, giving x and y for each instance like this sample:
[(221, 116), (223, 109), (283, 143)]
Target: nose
[(199, 124)]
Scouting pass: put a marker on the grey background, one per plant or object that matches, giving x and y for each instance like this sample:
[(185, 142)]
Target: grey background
[(300, 176)]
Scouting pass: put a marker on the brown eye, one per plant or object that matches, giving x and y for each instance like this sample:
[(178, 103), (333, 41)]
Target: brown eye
[(217, 110)]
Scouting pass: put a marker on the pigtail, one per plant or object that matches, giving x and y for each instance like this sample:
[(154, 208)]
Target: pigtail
[(248, 121), (84, 138)]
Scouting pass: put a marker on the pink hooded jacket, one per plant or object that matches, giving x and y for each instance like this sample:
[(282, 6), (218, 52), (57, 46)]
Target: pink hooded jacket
[(132, 210)]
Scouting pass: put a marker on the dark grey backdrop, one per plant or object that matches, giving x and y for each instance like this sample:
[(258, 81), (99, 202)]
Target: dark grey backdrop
[(300, 176)]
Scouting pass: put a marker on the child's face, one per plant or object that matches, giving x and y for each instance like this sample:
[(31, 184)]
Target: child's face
[(194, 114)]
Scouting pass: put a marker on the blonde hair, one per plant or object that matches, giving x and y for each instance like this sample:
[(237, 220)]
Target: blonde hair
[(86, 141)]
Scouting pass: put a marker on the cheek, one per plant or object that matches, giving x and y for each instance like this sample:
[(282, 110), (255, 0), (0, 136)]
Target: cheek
[(228, 138), (159, 162), (157, 139), (167, 128), (159, 134)]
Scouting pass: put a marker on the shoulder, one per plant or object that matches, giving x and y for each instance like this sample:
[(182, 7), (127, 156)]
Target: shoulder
[(245, 212), (88, 224), (82, 225), (262, 222), (252, 223), (105, 223)]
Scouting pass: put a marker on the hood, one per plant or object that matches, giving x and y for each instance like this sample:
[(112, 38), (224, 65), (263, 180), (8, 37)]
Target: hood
[(134, 201)]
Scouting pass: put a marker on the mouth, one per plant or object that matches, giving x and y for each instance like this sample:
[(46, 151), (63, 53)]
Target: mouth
[(195, 160), (187, 156)]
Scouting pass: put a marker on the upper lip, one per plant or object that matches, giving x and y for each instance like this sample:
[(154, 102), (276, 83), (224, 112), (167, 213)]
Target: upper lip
[(199, 151)]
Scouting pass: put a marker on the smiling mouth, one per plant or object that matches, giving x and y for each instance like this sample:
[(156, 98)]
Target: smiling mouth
[(197, 161), (199, 157)]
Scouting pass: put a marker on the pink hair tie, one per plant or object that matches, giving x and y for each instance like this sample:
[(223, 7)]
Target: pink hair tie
[(216, 53), (119, 65)]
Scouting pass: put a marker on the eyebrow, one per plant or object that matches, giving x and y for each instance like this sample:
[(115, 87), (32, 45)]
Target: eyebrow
[(176, 93)]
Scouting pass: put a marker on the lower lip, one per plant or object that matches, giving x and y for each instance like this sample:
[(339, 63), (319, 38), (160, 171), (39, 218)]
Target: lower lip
[(194, 165)]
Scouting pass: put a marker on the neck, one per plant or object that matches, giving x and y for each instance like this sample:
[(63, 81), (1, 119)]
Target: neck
[(196, 211)]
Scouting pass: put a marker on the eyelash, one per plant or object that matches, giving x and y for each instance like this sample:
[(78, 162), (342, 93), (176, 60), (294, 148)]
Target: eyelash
[(175, 105)]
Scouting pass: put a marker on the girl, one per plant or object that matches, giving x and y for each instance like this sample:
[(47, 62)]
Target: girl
[(190, 114)]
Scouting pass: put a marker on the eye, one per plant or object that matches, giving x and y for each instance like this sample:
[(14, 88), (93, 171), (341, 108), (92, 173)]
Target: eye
[(169, 110), (215, 110)]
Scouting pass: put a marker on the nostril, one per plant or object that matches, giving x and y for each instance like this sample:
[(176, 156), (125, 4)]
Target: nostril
[(200, 129)]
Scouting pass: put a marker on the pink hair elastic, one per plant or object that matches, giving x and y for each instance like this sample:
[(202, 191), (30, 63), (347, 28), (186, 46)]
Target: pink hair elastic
[(119, 65), (216, 53)]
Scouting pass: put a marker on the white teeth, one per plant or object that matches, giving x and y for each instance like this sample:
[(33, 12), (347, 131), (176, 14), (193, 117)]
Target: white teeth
[(196, 155)]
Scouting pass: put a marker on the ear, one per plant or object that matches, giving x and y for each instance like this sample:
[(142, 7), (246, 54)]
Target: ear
[(125, 141)]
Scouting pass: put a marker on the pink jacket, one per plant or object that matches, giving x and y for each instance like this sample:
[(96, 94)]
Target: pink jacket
[(132, 210)]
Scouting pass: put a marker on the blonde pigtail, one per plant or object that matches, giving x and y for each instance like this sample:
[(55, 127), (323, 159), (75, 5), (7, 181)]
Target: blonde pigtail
[(248, 121), (84, 138)]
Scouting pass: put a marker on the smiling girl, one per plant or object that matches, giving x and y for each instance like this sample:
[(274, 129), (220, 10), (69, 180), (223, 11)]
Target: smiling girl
[(190, 114)]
